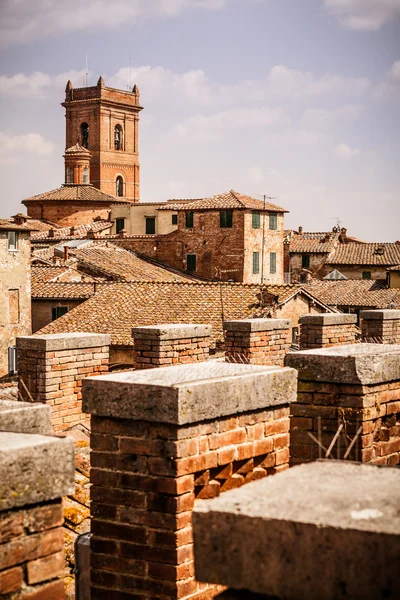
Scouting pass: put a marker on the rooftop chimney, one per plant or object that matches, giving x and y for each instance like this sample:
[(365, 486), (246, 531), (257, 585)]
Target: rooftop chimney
[(66, 252), (51, 233), (300, 230)]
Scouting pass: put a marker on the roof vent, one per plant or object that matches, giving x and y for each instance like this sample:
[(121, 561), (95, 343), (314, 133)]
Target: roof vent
[(379, 250)]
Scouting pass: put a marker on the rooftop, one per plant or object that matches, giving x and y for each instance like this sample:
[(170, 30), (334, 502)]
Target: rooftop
[(76, 192), (365, 254), (355, 292), (228, 200)]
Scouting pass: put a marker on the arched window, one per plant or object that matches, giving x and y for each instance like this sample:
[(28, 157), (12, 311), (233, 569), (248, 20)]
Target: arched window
[(118, 137), (85, 175), (70, 175), (85, 135), (119, 184)]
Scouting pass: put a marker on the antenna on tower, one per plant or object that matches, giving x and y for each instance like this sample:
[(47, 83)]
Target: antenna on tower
[(86, 71), (129, 84)]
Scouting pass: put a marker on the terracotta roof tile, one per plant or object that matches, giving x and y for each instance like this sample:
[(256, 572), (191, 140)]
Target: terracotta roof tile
[(76, 192), (80, 231), (8, 225), (228, 200), (61, 290), (365, 254), (355, 293)]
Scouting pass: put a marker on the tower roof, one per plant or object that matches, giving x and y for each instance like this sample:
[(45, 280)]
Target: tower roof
[(88, 193), (78, 149)]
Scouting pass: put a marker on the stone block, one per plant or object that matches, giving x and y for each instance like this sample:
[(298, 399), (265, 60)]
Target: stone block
[(250, 325), (328, 319), (34, 468), (62, 341), (188, 393), (25, 417), (353, 364), (380, 315), (324, 530), (172, 332)]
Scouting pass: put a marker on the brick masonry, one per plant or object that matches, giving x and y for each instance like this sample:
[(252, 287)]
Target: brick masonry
[(52, 367), (330, 329), (382, 326), (163, 345), (257, 341)]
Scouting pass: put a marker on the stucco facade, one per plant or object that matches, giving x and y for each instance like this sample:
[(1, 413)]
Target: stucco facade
[(135, 217)]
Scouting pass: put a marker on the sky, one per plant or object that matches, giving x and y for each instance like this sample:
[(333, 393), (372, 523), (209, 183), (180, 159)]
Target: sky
[(295, 99)]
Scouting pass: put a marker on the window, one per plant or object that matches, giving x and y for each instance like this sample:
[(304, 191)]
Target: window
[(85, 175), (119, 225), (303, 277), (305, 261), (189, 219), (118, 137), (70, 175), (13, 306), (12, 360), (255, 219), (272, 262), (366, 274), (174, 219), (150, 225), (119, 186), (13, 241), (58, 311), (256, 263), (225, 218), (295, 335), (85, 135), (190, 262), (273, 220)]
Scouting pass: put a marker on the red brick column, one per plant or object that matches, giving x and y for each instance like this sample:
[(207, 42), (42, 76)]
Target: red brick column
[(380, 326), (162, 345), (52, 367), (329, 329), (354, 387), (160, 441), (257, 341), (35, 472)]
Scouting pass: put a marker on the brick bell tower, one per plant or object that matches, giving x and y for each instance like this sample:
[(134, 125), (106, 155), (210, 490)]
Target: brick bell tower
[(106, 122)]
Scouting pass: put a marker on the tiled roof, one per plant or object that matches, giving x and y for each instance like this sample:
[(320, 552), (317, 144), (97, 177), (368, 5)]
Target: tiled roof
[(300, 243), (58, 273), (79, 231), (76, 192), (117, 307), (356, 293), (365, 254), (7, 225), (61, 290), (77, 149), (228, 200)]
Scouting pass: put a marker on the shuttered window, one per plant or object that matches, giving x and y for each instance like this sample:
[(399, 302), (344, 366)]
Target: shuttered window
[(273, 220), (225, 218), (272, 262), (255, 219), (256, 262)]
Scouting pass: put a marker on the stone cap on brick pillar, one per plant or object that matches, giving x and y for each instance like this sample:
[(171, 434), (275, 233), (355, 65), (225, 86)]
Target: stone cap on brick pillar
[(328, 319), (34, 468), (335, 523), (172, 332), (188, 393), (355, 364), (62, 341), (256, 324), (380, 315), (25, 417)]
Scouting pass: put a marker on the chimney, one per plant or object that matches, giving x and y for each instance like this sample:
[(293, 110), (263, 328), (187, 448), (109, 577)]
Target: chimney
[(19, 219), (72, 230), (300, 230), (90, 234), (51, 233), (66, 252), (122, 233)]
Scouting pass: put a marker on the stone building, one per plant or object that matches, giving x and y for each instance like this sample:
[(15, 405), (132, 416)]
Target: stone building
[(15, 287)]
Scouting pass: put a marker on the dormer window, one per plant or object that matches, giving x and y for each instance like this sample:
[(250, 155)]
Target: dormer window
[(70, 175), (85, 175), (119, 186), (85, 135), (118, 137)]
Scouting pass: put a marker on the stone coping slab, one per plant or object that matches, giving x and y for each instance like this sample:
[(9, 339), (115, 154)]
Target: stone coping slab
[(328, 319), (172, 332), (34, 468), (309, 532), (25, 417), (256, 324), (191, 393), (63, 341), (354, 363), (380, 315)]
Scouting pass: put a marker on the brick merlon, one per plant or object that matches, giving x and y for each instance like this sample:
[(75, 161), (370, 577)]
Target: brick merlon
[(172, 331), (256, 324), (185, 394), (380, 315), (328, 319), (62, 341)]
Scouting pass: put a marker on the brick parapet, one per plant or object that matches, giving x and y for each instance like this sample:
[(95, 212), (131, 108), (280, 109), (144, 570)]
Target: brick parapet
[(330, 329), (164, 345), (148, 473), (52, 367), (257, 341), (380, 326)]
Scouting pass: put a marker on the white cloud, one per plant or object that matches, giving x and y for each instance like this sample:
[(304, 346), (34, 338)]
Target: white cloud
[(285, 81), (25, 20), (321, 117), (13, 147), (38, 83), (391, 82), (346, 152), (367, 15)]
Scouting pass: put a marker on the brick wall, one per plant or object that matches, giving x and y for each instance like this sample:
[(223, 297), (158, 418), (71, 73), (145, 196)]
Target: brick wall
[(157, 449), (330, 329), (257, 341), (68, 213), (162, 345), (382, 326), (52, 368), (357, 389)]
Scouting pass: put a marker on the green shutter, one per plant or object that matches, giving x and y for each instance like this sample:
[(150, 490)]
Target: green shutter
[(255, 219), (256, 262), (273, 220), (225, 218), (189, 219), (272, 262)]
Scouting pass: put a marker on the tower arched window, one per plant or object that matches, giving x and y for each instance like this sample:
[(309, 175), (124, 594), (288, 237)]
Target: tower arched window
[(85, 175), (119, 185), (85, 135), (118, 137), (70, 175)]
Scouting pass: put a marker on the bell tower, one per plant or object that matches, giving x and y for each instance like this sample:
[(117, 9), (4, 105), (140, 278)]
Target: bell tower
[(105, 121)]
